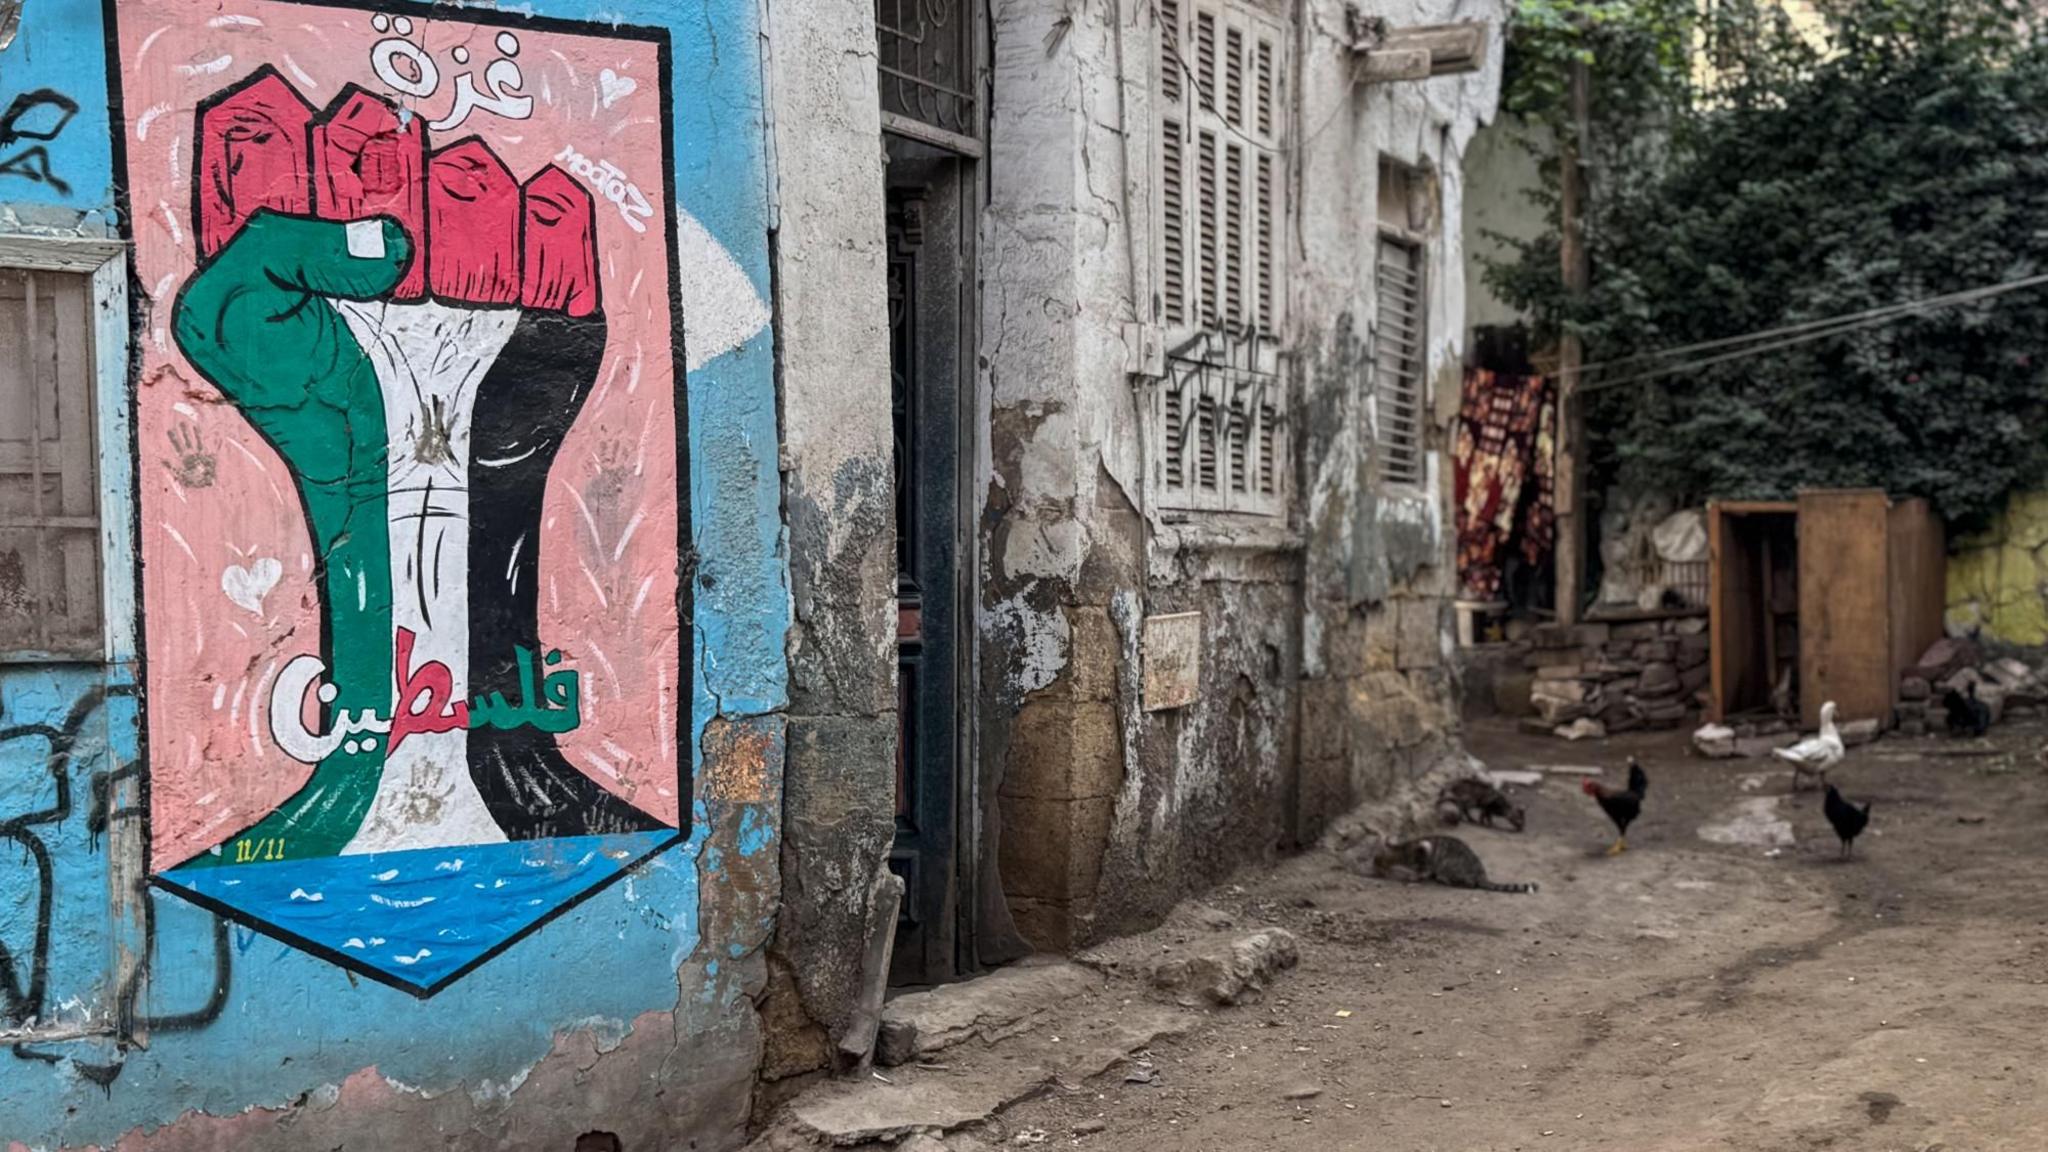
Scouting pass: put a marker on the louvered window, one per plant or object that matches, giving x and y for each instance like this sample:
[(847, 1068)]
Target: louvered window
[(1221, 442), (1222, 137), (1218, 438), (49, 480), (1399, 356)]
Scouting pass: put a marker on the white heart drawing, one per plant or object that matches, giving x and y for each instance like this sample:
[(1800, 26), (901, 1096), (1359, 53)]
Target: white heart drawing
[(248, 586), (615, 87)]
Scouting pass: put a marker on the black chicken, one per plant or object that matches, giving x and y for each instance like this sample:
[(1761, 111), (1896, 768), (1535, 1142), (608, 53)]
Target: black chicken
[(1621, 807), (1848, 819), (1967, 715)]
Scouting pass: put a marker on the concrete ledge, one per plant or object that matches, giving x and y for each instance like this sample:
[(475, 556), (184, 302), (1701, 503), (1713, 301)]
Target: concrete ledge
[(990, 1008)]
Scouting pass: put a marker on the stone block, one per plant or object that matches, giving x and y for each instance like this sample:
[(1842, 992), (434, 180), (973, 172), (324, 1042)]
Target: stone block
[(1568, 691), (923, 1024), (1689, 626), (1236, 974), (1945, 656), (1584, 728), (1094, 653), (1555, 636), (1555, 712), (1715, 742), (1913, 689), (1637, 630), (1049, 925), (1859, 732), (1345, 651), (1694, 678), (1689, 658), (1063, 750), (1420, 633), (2009, 674), (1659, 680), (1558, 672), (1323, 718), (1052, 849), (1656, 651), (1325, 794)]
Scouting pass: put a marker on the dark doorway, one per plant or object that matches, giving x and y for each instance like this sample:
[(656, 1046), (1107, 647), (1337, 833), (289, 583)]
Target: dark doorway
[(930, 320)]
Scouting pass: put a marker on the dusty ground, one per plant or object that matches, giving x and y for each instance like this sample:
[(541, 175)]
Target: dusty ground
[(1687, 995)]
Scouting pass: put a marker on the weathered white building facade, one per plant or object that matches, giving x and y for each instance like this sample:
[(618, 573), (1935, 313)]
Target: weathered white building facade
[(1222, 294)]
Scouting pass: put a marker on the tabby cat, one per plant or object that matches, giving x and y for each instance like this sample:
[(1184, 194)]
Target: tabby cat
[(1477, 802), (1442, 859)]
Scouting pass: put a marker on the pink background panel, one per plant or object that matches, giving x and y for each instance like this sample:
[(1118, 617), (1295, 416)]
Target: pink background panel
[(610, 526)]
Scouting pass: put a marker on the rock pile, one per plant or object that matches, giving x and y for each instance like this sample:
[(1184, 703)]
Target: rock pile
[(2007, 686), (1597, 679)]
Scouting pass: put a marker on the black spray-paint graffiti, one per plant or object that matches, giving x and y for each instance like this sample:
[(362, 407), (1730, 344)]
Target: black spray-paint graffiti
[(40, 116), (25, 980)]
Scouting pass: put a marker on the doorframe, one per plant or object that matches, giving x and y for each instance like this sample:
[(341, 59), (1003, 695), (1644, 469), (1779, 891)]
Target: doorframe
[(970, 434)]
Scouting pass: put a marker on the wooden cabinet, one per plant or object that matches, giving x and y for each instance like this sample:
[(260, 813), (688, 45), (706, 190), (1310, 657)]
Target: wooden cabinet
[(1831, 595)]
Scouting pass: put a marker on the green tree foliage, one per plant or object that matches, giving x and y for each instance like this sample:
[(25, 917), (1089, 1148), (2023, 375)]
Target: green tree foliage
[(1905, 157)]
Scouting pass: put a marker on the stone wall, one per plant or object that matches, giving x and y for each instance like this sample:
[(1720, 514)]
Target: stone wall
[(1998, 577), (1603, 679)]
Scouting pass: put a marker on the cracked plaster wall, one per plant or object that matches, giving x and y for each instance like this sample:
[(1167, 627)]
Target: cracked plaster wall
[(1104, 826), (838, 497), (640, 1011)]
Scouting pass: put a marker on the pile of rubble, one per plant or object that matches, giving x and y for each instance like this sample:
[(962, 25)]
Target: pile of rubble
[(2007, 686), (1597, 679)]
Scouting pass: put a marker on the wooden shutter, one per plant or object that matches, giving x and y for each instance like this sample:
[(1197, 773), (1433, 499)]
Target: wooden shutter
[(49, 484)]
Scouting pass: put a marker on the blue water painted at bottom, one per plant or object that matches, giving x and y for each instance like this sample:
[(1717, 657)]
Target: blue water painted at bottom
[(418, 917)]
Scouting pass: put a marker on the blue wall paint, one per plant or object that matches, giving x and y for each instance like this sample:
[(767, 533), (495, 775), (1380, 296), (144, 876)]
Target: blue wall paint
[(292, 1024), (58, 48)]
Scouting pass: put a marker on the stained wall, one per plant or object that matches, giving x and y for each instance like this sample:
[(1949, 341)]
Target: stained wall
[(202, 933), (1323, 632)]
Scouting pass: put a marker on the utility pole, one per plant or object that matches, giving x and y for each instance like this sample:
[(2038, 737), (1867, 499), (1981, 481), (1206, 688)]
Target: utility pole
[(1571, 438)]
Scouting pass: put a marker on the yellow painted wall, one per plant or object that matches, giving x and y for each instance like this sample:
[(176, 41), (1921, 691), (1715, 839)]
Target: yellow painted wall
[(1998, 580)]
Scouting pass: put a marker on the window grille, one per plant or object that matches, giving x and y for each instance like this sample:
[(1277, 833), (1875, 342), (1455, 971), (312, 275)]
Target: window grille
[(49, 484), (1400, 353), (924, 57)]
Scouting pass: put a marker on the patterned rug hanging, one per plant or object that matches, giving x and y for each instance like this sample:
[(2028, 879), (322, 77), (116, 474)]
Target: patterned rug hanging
[(1506, 428)]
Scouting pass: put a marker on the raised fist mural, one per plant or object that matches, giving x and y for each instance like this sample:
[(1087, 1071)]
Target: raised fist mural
[(438, 341)]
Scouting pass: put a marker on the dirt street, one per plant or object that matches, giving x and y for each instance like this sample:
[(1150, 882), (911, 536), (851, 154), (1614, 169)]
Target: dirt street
[(1693, 993)]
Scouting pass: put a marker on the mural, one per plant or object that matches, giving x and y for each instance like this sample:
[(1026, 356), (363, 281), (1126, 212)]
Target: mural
[(413, 618)]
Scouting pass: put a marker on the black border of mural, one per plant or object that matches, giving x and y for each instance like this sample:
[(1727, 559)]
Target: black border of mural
[(686, 566)]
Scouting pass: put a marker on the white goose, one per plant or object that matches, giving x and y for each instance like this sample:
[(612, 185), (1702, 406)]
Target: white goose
[(1814, 755)]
